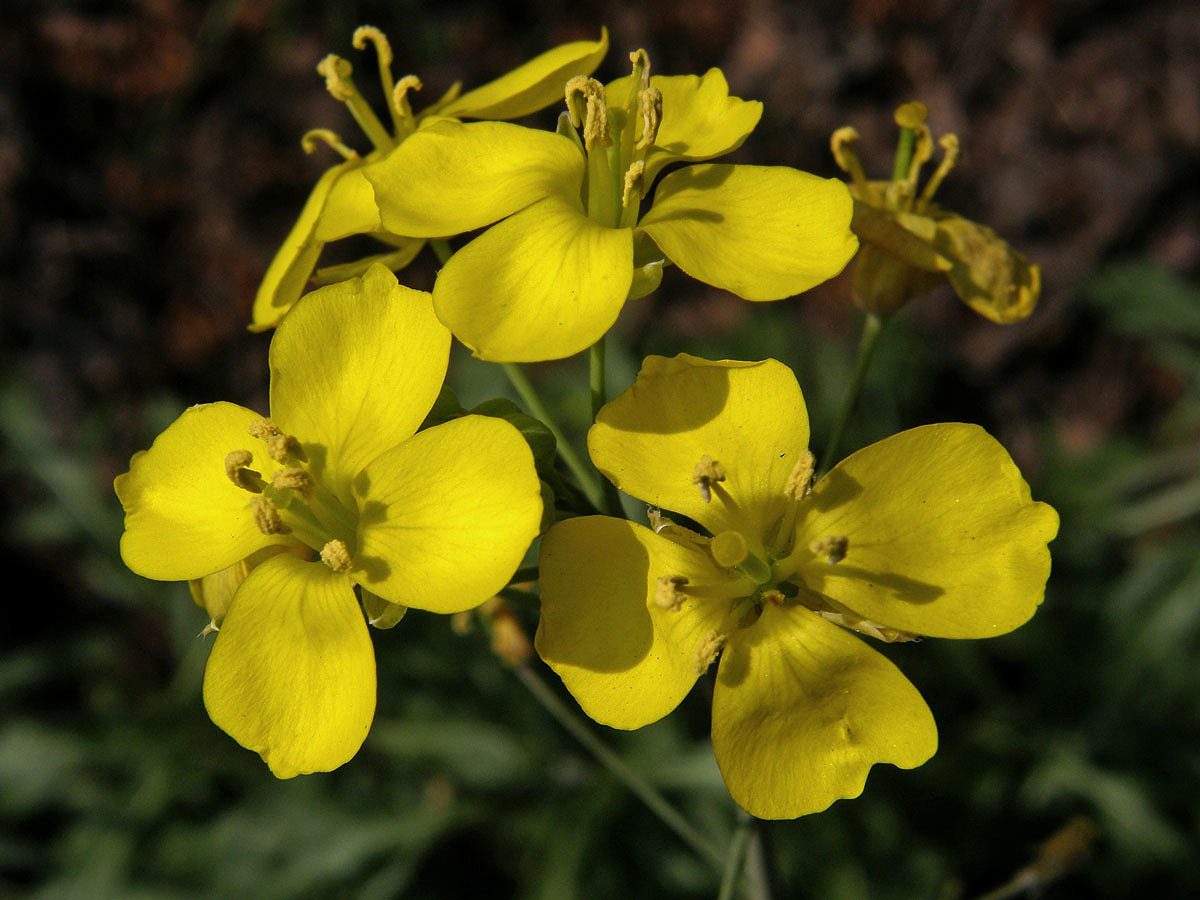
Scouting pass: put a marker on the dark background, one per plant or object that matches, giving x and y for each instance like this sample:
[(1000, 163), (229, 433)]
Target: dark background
[(149, 167)]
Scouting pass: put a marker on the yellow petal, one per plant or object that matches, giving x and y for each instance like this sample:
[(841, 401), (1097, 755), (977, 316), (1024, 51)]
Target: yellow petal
[(747, 416), (184, 518), (625, 660), (762, 232), (292, 673), (944, 539), (987, 274), (699, 119), (287, 275), (449, 178), (801, 711), (446, 517), (350, 207), (354, 369), (213, 593), (531, 86), (543, 284)]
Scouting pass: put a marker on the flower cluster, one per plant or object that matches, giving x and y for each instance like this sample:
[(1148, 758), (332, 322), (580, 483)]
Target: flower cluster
[(366, 490)]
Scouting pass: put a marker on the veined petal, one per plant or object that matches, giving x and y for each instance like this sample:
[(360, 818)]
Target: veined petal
[(627, 661), (288, 273), (354, 369), (184, 517), (292, 673), (747, 416), (350, 207), (699, 119), (801, 711), (944, 539), (762, 232), (446, 517), (543, 284), (531, 86), (449, 178)]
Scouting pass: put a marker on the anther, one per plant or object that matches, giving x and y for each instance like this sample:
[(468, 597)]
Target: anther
[(383, 49), (633, 183), (657, 520), (833, 547), (247, 479), (641, 67), (336, 556), (294, 479), (280, 447), (650, 100), (330, 139), (667, 595), (708, 651), (949, 145), (400, 94), (336, 72), (774, 597), (587, 106), (842, 144), (800, 482), (707, 472), (211, 628), (266, 517)]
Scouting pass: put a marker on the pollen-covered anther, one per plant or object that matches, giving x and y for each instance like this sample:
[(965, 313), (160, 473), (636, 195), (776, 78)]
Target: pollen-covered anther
[(588, 108), (400, 93), (383, 48), (800, 482), (708, 651), (293, 479), (650, 100), (668, 594), (846, 156), (707, 472), (329, 138), (950, 148), (832, 547), (774, 597), (641, 66), (336, 72), (336, 556), (236, 463), (634, 183), (266, 517)]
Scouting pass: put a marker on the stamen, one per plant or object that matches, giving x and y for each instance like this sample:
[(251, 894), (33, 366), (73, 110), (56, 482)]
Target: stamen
[(949, 145), (707, 472), (294, 479), (708, 651), (236, 469), (633, 183), (800, 482), (922, 153), (668, 595), (280, 447), (399, 97), (383, 49), (842, 144), (650, 100), (833, 547), (266, 517), (587, 106), (336, 556), (211, 628), (774, 597), (729, 549), (328, 138), (657, 520), (641, 68), (336, 72)]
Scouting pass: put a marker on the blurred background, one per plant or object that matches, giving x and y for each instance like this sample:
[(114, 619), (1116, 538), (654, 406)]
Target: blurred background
[(149, 167)]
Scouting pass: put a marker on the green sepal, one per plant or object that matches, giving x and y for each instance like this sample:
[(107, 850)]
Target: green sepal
[(445, 408)]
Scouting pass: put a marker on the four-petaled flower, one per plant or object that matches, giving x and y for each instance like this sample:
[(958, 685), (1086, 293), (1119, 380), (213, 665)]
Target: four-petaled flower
[(929, 532), (574, 243), (343, 204), (336, 489)]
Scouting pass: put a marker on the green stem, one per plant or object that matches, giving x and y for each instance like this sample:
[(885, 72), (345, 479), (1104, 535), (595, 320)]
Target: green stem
[(866, 350), (596, 373), (583, 473), (658, 804), (904, 153), (736, 855)]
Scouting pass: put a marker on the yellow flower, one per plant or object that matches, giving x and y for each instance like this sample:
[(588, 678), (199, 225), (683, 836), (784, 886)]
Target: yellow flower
[(929, 532), (343, 204), (910, 244), (339, 476), (574, 243)]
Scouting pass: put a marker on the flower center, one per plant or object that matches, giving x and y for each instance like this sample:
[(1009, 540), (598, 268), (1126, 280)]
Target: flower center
[(293, 501)]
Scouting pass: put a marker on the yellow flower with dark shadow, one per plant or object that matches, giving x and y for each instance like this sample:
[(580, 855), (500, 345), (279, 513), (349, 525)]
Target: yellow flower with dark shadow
[(277, 520), (572, 242), (343, 203), (929, 532)]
